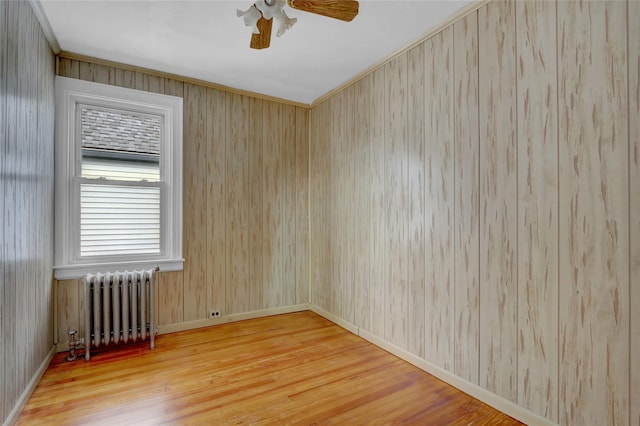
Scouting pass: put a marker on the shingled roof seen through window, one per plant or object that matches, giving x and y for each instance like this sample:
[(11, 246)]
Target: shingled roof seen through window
[(120, 131)]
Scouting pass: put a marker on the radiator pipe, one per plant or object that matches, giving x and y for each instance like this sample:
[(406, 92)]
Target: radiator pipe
[(73, 344)]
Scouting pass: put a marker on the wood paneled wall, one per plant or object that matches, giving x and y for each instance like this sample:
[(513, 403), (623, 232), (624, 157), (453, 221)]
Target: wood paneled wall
[(466, 129), (537, 139), (26, 190), (245, 203), (594, 212), (634, 204), (475, 201)]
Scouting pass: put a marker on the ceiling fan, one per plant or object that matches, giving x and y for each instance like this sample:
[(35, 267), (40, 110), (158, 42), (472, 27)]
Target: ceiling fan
[(261, 14)]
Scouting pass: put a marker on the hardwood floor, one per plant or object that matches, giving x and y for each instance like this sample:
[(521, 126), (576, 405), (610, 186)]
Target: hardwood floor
[(287, 369)]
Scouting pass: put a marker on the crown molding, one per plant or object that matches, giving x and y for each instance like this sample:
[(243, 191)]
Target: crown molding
[(184, 79)]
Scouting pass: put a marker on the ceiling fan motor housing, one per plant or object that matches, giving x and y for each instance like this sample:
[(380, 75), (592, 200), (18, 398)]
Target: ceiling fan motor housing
[(261, 14)]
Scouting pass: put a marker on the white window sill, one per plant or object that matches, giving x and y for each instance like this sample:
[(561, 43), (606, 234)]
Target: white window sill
[(73, 272)]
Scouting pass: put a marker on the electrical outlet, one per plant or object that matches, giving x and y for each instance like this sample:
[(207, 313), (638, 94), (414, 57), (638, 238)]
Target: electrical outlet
[(214, 314)]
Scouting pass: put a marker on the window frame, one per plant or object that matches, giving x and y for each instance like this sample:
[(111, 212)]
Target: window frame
[(70, 95)]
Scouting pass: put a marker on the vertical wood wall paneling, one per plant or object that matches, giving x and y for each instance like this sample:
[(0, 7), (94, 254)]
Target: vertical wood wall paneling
[(41, 223), (633, 36), (498, 200), (237, 215), (4, 104), (14, 201), (329, 208), (147, 82), (315, 204), (361, 204), (216, 201), (70, 317), (336, 224), (416, 145), (10, 387), (170, 298), (4, 124), (30, 220), (40, 324), (439, 193), (325, 207), (42, 204), (466, 204), (174, 88), (26, 190), (315, 185), (289, 252), (301, 176), (348, 209), (594, 208), (272, 205), (170, 289), (378, 233), (23, 210), (195, 202), (48, 120), (256, 203), (125, 78), (97, 73), (44, 190), (35, 223), (396, 180), (24, 168), (68, 68), (537, 208)]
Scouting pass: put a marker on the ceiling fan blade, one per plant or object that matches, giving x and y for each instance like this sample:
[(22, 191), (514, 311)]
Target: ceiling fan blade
[(262, 40), (344, 10)]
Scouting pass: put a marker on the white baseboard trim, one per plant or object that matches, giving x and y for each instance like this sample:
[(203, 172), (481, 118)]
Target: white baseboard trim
[(14, 414), (191, 325), (489, 398), (335, 319)]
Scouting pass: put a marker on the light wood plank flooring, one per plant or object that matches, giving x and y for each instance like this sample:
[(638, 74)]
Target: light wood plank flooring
[(287, 369)]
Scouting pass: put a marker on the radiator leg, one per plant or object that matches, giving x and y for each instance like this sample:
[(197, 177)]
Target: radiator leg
[(152, 310)]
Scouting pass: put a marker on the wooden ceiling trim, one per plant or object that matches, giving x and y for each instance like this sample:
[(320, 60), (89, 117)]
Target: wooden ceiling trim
[(204, 83)]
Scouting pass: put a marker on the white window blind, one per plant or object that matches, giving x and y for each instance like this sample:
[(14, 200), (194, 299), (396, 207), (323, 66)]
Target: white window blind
[(117, 219), (96, 168), (120, 151)]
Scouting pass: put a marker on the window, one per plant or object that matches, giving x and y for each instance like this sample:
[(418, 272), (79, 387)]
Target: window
[(118, 179)]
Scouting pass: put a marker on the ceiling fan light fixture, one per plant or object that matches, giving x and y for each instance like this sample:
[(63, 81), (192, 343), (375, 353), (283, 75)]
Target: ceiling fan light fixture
[(285, 24), (274, 9), (262, 13), (251, 17), (270, 8), (267, 9)]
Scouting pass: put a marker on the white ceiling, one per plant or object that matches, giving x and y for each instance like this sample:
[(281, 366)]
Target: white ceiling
[(205, 40)]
